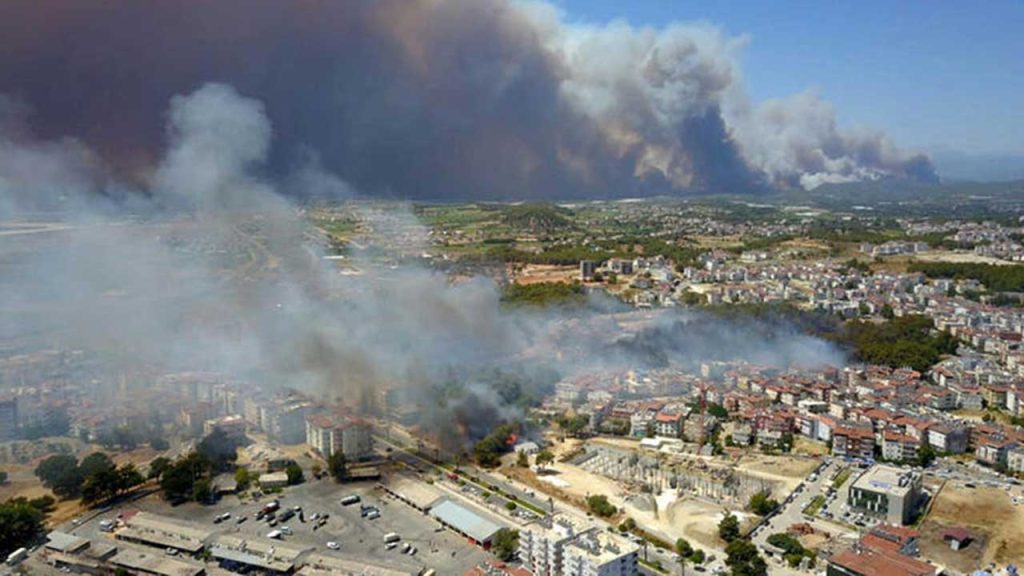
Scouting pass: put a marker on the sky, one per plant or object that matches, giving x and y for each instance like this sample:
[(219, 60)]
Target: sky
[(933, 74)]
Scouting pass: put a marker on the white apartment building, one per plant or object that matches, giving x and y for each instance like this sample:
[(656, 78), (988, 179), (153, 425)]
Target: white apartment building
[(600, 553), (329, 434), (542, 544)]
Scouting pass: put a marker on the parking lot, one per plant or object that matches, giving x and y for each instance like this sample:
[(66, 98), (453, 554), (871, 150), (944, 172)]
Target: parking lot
[(355, 536)]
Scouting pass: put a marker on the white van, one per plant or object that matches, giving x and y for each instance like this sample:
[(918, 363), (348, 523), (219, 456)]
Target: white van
[(391, 537)]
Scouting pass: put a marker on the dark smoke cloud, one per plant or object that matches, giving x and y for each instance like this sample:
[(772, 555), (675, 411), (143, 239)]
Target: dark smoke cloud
[(430, 99), (209, 267)]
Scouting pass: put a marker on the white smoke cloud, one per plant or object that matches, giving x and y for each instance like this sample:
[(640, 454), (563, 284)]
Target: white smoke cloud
[(158, 283)]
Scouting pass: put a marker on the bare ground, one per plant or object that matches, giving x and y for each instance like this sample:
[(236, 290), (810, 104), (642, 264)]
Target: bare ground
[(988, 515)]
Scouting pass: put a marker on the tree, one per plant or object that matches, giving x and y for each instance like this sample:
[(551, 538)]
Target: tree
[(242, 478), (158, 466), (887, 312), (336, 466), (544, 457), (926, 455), (95, 463), (487, 452), (61, 474), (743, 560), (684, 550), (505, 544), (220, 449), (108, 483), (179, 480), (599, 506), (201, 491), (761, 503), (729, 528), (295, 475), (522, 460), (20, 522), (158, 443)]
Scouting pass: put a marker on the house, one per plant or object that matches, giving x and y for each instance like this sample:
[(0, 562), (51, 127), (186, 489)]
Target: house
[(853, 442), (1015, 459), (993, 450), (957, 538), (668, 425), (948, 438), (899, 447)]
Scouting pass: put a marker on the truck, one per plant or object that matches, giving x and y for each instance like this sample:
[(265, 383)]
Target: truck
[(350, 499), (391, 537), (268, 509)]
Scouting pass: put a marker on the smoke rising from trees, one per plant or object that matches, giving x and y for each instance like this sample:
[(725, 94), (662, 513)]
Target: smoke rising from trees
[(154, 276)]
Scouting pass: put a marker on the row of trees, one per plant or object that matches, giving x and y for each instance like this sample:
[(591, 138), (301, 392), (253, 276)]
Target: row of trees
[(543, 294), (96, 478), (1008, 278)]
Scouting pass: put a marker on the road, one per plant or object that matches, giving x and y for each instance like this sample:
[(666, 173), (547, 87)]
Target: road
[(792, 512)]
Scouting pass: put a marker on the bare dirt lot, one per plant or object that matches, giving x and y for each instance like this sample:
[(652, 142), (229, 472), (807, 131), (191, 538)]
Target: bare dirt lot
[(787, 470), (537, 273), (988, 515)]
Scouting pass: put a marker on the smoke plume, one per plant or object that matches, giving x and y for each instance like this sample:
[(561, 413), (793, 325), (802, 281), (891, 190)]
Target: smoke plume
[(209, 267), (433, 98)]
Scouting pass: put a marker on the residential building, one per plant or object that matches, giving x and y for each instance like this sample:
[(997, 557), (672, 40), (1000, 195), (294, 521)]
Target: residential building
[(233, 427), (853, 442), (1015, 459), (668, 425), (948, 438), (8, 419), (993, 450), (587, 269), (899, 447), (328, 434), (542, 544), (600, 553)]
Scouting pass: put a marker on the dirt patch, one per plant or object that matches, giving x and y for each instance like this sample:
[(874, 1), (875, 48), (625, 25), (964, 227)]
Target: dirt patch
[(802, 445), (788, 471), (988, 514), (537, 273)]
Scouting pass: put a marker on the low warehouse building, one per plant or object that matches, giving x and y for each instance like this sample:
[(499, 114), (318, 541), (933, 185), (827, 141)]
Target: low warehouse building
[(466, 522)]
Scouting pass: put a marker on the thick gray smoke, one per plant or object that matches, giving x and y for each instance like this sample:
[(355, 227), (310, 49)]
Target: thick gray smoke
[(211, 268), (434, 98)]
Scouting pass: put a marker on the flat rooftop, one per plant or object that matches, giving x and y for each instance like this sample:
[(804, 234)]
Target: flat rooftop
[(155, 563), (880, 478), (64, 542), (276, 550), (464, 520), (602, 547), (324, 565), (421, 494)]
